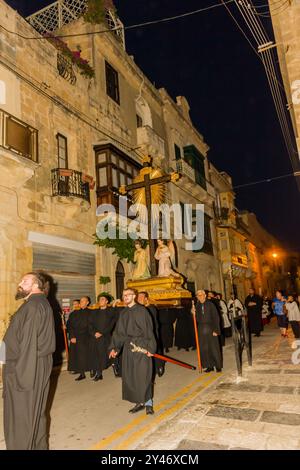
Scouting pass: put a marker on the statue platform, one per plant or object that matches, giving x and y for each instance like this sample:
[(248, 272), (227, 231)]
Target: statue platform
[(162, 291)]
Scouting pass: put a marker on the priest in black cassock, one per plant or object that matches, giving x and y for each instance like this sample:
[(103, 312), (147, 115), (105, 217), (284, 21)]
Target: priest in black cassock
[(30, 343), (254, 305), (78, 329), (135, 326), (101, 323), (208, 322)]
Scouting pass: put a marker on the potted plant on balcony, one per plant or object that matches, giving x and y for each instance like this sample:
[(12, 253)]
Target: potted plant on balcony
[(65, 172), (88, 179), (74, 56), (96, 10)]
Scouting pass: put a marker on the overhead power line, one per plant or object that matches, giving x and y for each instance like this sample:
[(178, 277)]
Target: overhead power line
[(267, 180), (126, 28), (262, 50)]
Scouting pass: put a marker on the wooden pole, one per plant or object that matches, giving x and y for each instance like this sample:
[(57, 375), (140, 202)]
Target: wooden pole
[(64, 328), (197, 338)]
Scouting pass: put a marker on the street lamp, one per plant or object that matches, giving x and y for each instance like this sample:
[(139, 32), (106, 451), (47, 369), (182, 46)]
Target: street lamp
[(275, 255)]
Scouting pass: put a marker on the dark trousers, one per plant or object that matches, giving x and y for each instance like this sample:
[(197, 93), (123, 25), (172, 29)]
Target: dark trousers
[(296, 328)]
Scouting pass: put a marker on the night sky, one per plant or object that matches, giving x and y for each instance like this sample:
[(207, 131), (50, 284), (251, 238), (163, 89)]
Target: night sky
[(205, 58)]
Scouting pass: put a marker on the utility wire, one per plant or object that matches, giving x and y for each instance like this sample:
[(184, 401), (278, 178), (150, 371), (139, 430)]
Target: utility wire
[(267, 180), (134, 26)]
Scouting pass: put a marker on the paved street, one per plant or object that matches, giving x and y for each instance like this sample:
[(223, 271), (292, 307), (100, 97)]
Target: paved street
[(192, 411)]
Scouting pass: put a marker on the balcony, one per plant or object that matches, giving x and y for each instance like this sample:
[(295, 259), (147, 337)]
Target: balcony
[(62, 12), (69, 183), (65, 69), (150, 142), (185, 169)]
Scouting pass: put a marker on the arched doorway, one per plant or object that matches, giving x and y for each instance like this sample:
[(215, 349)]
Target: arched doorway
[(120, 275)]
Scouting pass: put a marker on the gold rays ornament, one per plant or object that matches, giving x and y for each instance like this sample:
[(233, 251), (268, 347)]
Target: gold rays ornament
[(158, 193)]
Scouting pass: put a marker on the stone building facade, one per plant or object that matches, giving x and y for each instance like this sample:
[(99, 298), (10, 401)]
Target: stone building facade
[(68, 142), (286, 25)]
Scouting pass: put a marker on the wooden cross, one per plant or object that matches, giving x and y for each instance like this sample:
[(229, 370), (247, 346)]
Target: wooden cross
[(146, 184)]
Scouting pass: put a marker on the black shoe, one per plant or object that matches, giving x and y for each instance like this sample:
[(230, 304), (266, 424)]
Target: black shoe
[(218, 370), (98, 377), (209, 369), (194, 348), (149, 410), (257, 335), (178, 349), (137, 407), (160, 371), (167, 350), (92, 373), (187, 349), (81, 377)]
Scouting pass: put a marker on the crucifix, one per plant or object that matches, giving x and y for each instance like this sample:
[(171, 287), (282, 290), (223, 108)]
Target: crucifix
[(148, 182)]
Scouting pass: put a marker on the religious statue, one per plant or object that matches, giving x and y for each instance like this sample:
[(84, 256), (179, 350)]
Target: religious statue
[(141, 259), (165, 254)]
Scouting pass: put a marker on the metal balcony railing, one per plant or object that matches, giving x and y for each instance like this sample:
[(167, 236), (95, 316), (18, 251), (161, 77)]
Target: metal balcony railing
[(61, 12), (69, 183), (65, 69), (17, 136)]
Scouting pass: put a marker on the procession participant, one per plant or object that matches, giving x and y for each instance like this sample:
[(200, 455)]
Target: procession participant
[(184, 329), (293, 314), (101, 323), (224, 312), (78, 329), (29, 342), (143, 299), (208, 324), (282, 320), (211, 295), (253, 304), (135, 326)]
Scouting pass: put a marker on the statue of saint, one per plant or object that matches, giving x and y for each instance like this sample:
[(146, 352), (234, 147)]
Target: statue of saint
[(165, 254), (141, 260)]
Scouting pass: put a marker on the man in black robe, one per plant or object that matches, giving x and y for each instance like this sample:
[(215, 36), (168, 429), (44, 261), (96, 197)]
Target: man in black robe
[(101, 323), (184, 330), (159, 364), (254, 305), (135, 326), (29, 342), (167, 317), (208, 322), (78, 329)]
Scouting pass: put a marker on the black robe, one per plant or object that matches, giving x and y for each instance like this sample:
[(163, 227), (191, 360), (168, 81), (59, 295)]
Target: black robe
[(158, 363), (135, 325), (100, 321), (184, 330), (167, 317), (30, 342), (254, 313), (208, 321), (78, 327)]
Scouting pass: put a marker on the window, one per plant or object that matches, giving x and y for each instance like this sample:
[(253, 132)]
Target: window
[(113, 170), (177, 152), (139, 121), (18, 137), (62, 151), (112, 83), (196, 160)]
